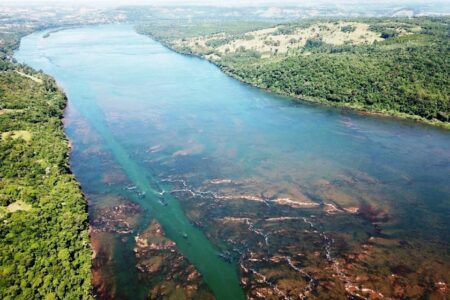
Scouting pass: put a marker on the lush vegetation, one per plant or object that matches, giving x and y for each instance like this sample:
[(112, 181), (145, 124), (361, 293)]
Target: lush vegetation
[(406, 73), (8, 43), (169, 30), (44, 243)]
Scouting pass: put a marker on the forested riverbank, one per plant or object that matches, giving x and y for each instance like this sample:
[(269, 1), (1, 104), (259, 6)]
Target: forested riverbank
[(261, 197), (44, 241), (389, 66)]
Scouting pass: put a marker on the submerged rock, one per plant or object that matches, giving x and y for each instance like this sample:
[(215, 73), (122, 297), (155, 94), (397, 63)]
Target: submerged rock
[(120, 218), (168, 272)]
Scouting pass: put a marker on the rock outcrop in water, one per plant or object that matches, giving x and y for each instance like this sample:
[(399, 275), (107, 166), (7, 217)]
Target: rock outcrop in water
[(119, 219), (339, 248), (169, 273)]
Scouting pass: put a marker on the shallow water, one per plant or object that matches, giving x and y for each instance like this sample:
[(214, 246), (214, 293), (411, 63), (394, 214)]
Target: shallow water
[(193, 147)]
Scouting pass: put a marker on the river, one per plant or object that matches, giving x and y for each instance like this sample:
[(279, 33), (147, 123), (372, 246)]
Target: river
[(256, 190)]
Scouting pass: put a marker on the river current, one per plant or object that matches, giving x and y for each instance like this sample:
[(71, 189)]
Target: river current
[(185, 168)]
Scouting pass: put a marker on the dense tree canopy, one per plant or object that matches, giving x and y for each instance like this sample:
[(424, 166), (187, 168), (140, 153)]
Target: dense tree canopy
[(405, 73), (44, 243)]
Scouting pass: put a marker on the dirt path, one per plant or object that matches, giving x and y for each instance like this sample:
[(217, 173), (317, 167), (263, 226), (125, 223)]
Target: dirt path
[(35, 79)]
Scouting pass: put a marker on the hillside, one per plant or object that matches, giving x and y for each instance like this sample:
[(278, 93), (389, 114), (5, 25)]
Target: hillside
[(391, 66)]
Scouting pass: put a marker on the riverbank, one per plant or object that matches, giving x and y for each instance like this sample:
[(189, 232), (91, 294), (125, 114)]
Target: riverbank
[(359, 108), (44, 244), (367, 77)]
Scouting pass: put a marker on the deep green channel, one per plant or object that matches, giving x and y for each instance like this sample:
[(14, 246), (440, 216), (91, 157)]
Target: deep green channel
[(219, 275), (162, 118)]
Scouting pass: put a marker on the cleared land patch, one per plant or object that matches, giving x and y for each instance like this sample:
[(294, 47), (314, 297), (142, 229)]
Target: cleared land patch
[(283, 38), (6, 111), (16, 134), (34, 78), (18, 206)]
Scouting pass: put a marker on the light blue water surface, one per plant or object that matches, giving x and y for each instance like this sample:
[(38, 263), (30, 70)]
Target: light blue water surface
[(162, 114)]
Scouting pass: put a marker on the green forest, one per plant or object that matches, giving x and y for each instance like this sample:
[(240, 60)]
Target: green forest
[(44, 242), (404, 73)]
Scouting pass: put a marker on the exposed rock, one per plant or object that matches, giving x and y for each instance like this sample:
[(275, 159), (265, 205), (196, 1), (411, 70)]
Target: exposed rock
[(120, 218), (157, 255)]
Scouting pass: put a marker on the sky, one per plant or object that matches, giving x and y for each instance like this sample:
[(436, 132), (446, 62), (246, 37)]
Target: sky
[(207, 2)]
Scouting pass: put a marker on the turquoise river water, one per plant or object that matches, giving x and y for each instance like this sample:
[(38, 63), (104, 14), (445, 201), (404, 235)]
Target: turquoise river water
[(158, 118)]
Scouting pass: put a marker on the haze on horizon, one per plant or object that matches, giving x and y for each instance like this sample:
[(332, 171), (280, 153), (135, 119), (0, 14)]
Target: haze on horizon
[(216, 2)]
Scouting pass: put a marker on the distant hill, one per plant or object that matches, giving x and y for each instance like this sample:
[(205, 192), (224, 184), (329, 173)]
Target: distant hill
[(396, 66)]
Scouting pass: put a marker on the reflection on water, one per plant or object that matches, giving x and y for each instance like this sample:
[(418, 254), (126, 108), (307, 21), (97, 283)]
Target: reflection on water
[(199, 185)]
